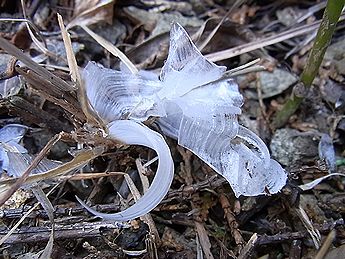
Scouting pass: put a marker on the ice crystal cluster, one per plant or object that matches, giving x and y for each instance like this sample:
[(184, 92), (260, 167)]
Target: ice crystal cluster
[(196, 105)]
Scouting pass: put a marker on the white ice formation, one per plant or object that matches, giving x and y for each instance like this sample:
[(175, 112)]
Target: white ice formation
[(197, 106)]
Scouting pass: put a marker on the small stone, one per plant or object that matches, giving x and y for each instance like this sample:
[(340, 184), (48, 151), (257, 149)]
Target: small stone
[(293, 148)]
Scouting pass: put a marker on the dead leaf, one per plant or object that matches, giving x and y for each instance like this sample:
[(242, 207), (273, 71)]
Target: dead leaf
[(160, 23), (91, 11)]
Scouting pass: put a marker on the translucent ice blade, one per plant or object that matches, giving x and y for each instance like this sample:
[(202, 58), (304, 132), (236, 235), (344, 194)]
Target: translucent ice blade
[(217, 98), (115, 94), (202, 111), (133, 133), (185, 67), (210, 140), (256, 142), (220, 97), (244, 161), (257, 173), (170, 124), (253, 177)]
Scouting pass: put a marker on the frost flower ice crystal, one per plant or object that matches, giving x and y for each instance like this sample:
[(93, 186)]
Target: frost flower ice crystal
[(194, 104)]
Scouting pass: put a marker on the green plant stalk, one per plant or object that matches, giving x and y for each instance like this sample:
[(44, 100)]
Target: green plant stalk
[(322, 40)]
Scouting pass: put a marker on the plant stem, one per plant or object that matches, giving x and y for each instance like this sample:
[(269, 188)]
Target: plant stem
[(322, 40)]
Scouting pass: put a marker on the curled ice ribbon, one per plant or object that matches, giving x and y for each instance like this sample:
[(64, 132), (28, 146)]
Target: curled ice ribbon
[(133, 133), (194, 104)]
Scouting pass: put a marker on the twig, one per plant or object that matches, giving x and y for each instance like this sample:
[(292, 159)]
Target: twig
[(261, 101), (186, 167), (323, 250), (90, 114), (214, 31), (142, 170), (112, 49), (42, 47), (85, 176), (313, 232), (147, 218), (91, 230), (204, 240), (212, 183), (260, 43), (33, 26), (29, 112), (264, 42), (79, 160), (295, 249), (23, 217), (41, 234), (232, 222), (283, 237), (66, 100), (245, 66), (248, 248), (60, 211), (55, 80), (8, 234)]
